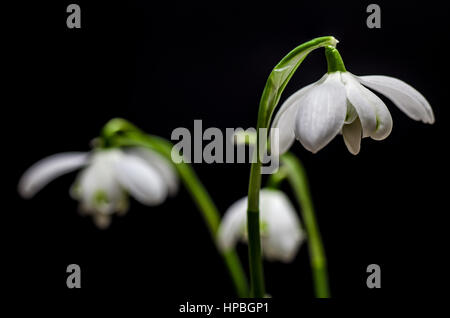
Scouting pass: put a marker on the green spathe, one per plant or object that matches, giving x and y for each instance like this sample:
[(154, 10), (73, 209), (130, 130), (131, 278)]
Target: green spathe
[(282, 73)]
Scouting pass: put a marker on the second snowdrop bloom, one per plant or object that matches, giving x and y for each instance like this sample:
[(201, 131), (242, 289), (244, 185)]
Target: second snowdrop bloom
[(281, 232), (108, 176), (340, 103)]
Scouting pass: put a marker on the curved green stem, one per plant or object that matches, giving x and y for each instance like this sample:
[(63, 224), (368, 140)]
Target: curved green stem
[(121, 133), (299, 182), (276, 82)]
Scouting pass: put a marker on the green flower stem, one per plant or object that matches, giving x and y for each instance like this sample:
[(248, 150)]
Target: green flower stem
[(276, 82), (120, 133), (299, 182), (257, 288)]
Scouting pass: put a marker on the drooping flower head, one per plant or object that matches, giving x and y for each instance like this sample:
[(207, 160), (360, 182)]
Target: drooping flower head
[(281, 232), (340, 103), (108, 176)]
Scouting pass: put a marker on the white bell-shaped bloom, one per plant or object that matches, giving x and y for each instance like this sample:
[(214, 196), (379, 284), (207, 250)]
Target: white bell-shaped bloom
[(109, 175), (339, 103), (281, 231)]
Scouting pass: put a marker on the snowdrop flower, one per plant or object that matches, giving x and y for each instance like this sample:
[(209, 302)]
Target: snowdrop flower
[(340, 103), (281, 232), (107, 177)]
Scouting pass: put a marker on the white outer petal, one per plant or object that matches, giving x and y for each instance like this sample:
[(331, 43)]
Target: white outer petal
[(161, 164), (284, 232), (352, 134), (358, 98), (285, 117), (404, 96), (48, 169), (321, 113), (141, 180), (232, 227)]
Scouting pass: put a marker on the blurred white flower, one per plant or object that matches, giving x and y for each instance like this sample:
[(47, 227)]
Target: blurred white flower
[(281, 232), (338, 103), (107, 177)]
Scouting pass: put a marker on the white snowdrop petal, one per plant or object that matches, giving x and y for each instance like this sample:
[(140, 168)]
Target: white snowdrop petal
[(321, 113), (232, 227), (162, 165), (284, 233), (141, 180), (352, 134), (404, 96), (285, 125), (281, 229), (357, 97), (48, 169), (284, 248), (285, 118)]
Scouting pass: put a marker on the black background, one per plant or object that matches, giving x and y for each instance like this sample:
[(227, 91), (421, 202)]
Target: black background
[(161, 67)]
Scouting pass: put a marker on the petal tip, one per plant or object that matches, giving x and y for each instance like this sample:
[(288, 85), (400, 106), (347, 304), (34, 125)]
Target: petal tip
[(24, 193), (310, 147)]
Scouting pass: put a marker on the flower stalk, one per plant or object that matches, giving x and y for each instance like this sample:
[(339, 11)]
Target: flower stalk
[(121, 133), (276, 83), (334, 60), (296, 175)]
